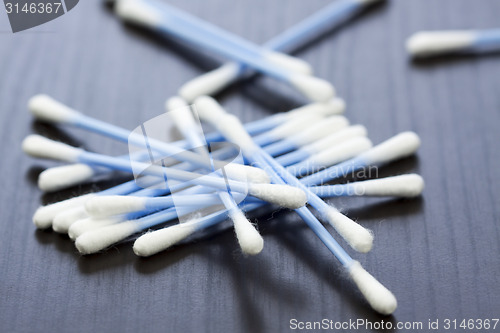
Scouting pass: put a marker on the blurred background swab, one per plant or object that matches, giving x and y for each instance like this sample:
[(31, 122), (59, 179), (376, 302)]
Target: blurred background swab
[(165, 18), (251, 242), (432, 43), (209, 110), (293, 38)]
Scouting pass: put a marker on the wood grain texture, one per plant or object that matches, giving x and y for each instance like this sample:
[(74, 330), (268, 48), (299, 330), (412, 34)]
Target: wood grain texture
[(438, 254)]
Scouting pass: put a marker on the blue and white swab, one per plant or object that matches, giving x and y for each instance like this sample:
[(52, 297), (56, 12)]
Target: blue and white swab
[(403, 186), (41, 147), (379, 297), (65, 176), (47, 109), (431, 43), (209, 110), (251, 242), (167, 19), (298, 35), (399, 146)]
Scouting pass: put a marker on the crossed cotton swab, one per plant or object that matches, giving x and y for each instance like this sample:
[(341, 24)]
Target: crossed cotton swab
[(379, 297), (251, 242), (285, 196), (47, 109), (167, 19), (310, 28), (431, 43), (356, 236)]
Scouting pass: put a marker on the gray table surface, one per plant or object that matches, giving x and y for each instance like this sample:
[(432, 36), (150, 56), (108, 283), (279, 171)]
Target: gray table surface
[(438, 254)]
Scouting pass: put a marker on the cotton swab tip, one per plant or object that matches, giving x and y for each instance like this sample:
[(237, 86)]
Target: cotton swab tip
[(359, 238), (379, 297), (283, 195), (45, 214), (80, 227), (250, 240), (159, 240), (246, 173), (401, 145), (428, 43), (45, 108), (137, 12), (63, 221), (209, 83), (316, 89), (41, 147), (291, 63), (96, 240), (104, 206), (57, 178), (407, 186)]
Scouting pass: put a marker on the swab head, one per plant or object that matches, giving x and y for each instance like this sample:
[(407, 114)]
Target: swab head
[(64, 220), (246, 173), (160, 240), (250, 240), (359, 238), (97, 240), (80, 227), (332, 107), (320, 130), (407, 186), (399, 146), (295, 125), (336, 138), (342, 151), (45, 214), (291, 63), (137, 12), (428, 43), (41, 147), (45, 108), (57, 178), (103, 206), (379, 297), (282, 195), (209, 83), (316, 89)]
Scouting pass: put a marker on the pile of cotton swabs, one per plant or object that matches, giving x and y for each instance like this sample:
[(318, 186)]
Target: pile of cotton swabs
[(290, 157)]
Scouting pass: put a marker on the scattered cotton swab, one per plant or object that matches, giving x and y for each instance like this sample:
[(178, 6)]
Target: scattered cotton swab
[(431, 43)]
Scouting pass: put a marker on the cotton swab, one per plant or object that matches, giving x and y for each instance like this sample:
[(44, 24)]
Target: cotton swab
[(251, 242), (399, 146), (431, 43), (333, 155), (403, 186), (167, 19), (327, 142), (306, 136), (60, 177), (47, 109), (317, 24), (41, 147), (209, 110)]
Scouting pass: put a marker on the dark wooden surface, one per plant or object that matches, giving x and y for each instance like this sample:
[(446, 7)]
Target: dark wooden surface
[(438, 254)]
